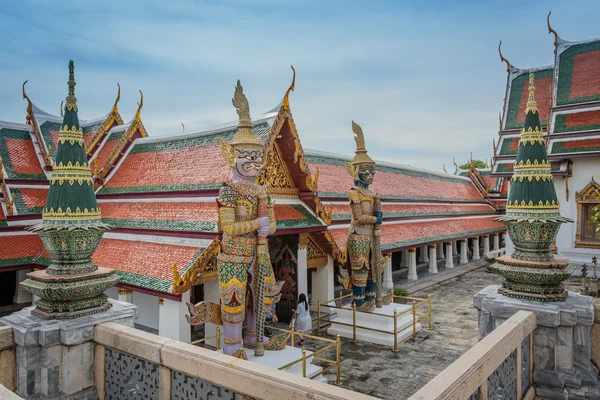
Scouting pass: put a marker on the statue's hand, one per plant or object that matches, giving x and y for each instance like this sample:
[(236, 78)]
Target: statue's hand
[(379, 215)]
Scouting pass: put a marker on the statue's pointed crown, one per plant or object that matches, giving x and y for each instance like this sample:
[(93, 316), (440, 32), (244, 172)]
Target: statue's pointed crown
[(244, 135), (361, 156)]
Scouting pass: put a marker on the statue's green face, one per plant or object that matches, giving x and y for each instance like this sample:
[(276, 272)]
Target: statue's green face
[(249, 162), (366, 174)]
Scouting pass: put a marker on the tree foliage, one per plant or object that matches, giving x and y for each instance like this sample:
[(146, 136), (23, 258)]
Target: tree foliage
[(478, 164)]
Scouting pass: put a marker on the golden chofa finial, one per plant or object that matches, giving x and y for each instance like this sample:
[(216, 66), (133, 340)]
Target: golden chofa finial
[(502, 59), (138, 118), (182, 127), (455, 165), (550, 30), (29, 105), (61, 108), (444, 168), (286, 100), (495, 149), (115, 109), (499, 122)]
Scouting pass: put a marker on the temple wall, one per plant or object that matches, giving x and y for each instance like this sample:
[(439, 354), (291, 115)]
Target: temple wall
[(148, 311), (583, 171), (8, 364)]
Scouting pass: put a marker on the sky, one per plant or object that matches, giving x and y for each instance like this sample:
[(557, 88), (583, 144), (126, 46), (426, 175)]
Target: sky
[(422, 78)]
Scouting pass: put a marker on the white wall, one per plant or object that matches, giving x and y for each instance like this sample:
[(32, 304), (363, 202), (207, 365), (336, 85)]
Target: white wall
[(583, 171), (147, 310)]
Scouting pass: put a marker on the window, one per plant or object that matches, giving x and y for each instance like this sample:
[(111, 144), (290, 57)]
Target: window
[(589, 198)]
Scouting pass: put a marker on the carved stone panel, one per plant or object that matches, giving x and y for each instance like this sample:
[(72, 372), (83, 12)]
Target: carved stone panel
[(129, 377), (502, 383), (187, 387)]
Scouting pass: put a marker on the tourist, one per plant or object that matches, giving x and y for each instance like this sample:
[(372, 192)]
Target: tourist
[(303, 320)]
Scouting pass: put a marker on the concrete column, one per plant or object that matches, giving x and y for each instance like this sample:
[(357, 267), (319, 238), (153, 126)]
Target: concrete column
[(432, 259), (496, 241), (464, 258), (21, 296), (125, 295), (454, 248), (404, 259), (412, 265), (486, 244), (323, 283), (212, 295), (172, 323), (423, 256), (302, 274), (476, 255), (388, 282), (449, 259), (440, 251)]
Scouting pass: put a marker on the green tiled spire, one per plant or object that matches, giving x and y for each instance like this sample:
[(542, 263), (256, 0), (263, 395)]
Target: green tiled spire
[(72, 286), (71, 199), (532, 219)]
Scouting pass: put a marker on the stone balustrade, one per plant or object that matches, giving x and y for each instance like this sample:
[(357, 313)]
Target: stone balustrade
[(499, 366), (130, 361)]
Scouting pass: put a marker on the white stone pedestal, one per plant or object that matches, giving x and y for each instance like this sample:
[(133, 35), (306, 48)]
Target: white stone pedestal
[(55, 359), (562, 347), (373, 321), (277, 359)]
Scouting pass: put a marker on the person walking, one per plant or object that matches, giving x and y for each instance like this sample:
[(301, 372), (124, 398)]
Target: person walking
[(303, 320)]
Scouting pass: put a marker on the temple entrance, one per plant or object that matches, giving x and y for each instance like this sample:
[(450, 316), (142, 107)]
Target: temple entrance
[(8, 286), (284, 250)]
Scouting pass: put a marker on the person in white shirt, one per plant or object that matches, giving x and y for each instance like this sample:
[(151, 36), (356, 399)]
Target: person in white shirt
[(303, 319)]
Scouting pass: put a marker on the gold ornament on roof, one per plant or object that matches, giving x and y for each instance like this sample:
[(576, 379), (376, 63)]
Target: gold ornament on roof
[(531, 103), (61, 109), (115, 109), (71, 99), (138, 117), (550, 30), (286, 100), (502, 59)]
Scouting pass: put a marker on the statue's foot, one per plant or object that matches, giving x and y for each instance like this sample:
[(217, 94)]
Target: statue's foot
[(366, 306), (250, 341), (387, 298), (277, 342), (240, 353)]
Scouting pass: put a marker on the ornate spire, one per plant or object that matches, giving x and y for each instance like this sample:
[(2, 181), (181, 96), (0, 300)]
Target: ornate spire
[(550, 30), (71, 99), (244, 135), (361, 156)]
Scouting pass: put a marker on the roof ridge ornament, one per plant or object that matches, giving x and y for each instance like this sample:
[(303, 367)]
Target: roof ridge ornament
[(286, 100), (61, 108), (29, 104), (500, 121), (182, 127), (455, 165), (502, 59), (115, 109), (550, 30), (140, 106), (531, 103)]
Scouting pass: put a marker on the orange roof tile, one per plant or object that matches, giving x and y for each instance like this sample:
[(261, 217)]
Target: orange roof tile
[(343, 212), (417, 233), (20, 249), (29, 200), (23, 157), (585, 79)]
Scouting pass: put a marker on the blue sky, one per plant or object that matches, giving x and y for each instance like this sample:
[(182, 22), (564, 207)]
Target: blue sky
[(422, 78)]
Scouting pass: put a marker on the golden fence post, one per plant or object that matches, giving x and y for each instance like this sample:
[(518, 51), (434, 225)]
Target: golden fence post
[(341, 299), (337, 358), (429, 312), (218, 338), (354, 323), (414, 315), (318, 317), (292, 335), (303, 362), (395, 349)]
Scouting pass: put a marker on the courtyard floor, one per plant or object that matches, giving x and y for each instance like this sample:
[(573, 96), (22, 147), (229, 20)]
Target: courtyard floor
[(377, 371)]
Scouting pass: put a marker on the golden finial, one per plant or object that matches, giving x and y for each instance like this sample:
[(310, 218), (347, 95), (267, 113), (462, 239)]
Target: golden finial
[(61, 108), (531, 104), (360, 156), (71, 99), (444, 168), (140, 105), (29, 105), (286, 100), (502, 59), (494, 144), (550, 30), (176, 276), (182, 127), (499, 121), (455, 165), (115, 109)]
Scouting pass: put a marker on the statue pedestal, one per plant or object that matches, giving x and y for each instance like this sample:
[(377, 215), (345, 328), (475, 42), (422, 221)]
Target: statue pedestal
[(278, 359), (562, 347), (374, 321), (55, 358)]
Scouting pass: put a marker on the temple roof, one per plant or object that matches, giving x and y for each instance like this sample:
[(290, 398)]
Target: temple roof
[(392, 181), (20, 249), (19, 157)]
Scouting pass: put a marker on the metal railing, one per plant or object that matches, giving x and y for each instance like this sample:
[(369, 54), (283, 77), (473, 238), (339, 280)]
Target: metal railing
[(507, 351), (417, 316), (292, 334), (332, 363)]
